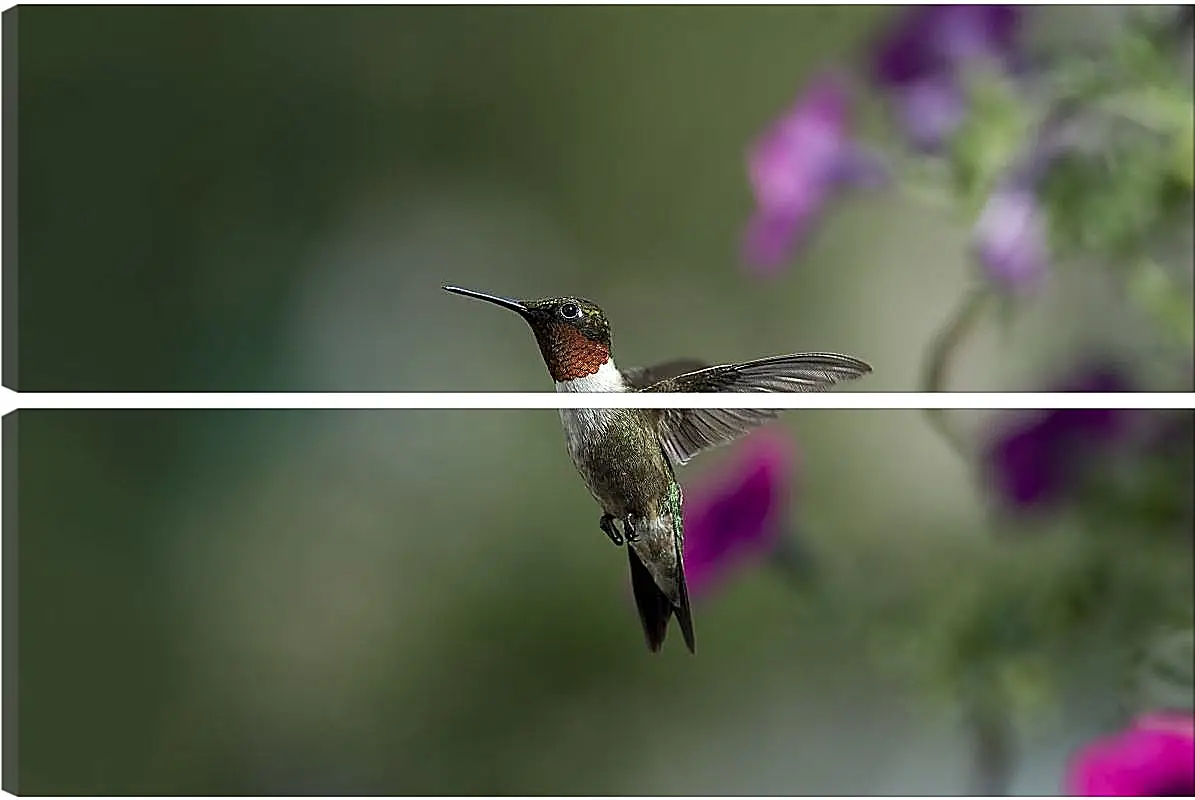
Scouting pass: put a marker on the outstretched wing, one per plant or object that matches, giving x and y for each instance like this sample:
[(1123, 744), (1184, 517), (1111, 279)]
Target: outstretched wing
[(642, 377), (687, 432)]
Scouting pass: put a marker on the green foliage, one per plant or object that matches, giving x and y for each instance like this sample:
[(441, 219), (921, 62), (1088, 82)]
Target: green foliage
[(982, 633), (1018, 628), (1111, 568), (1154, 291), (991, 137), (1109, 206), (1183, 152), (1164, 676)]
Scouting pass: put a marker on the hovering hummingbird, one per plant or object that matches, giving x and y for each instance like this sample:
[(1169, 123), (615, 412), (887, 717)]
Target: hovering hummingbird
[(627, 456)]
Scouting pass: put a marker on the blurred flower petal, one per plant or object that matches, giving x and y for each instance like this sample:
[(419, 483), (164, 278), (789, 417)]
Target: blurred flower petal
[(937, 40), (1153, 758), (790, 161), (740, 514), (1034, 461), (769, 240), (795, 168), (1010, 238), (929, 111)]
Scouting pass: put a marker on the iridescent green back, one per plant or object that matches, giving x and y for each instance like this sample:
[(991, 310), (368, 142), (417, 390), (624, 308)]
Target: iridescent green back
[(678, 520)]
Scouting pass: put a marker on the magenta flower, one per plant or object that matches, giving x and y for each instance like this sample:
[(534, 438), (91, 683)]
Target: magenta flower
[(1153, 758), (797, 166), (738, 516), (1011, 238), (920, 59), (1037, 461)]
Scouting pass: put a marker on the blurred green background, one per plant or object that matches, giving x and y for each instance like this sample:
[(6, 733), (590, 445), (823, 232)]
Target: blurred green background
[(420, 602), (270, 199)]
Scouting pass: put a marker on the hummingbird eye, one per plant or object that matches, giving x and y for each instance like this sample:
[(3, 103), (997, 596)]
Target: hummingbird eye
[(570, 311)]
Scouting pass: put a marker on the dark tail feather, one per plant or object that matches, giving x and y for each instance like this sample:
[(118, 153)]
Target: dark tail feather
[(683, 617), (655, 609)]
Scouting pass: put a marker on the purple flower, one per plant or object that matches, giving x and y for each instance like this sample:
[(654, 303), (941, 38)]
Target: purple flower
[(739, 515), (920, 58), (797, 166), (929, 111), (1037, 461), (935, 40), (1153, 758), (1011, 238)]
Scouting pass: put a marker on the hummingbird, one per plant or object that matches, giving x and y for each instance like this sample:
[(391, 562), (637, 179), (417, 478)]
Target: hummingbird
[(628, 457)]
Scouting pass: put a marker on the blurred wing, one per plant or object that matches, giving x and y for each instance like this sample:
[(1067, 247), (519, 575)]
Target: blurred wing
[(798, 372), (687, 432), (642, 377)]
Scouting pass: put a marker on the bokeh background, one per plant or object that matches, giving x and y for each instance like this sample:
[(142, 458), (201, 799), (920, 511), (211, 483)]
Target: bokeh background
[(270, 199), (420, 601)]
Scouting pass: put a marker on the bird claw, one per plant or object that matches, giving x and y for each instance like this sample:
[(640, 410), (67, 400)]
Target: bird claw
[(607, 526), (629, 529)]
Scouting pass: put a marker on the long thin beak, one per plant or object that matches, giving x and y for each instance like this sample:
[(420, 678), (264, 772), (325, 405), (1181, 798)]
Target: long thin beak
[(505, 302)]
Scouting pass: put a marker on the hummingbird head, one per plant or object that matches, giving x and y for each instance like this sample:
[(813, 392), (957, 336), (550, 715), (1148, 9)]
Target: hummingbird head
[(572, 332)]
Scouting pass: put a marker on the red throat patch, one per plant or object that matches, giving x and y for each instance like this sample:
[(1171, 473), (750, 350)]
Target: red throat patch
[(571, 355)]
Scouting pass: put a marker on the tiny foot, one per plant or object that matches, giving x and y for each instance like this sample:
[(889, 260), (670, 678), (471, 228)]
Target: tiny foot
[(607, 526), (629, 529)]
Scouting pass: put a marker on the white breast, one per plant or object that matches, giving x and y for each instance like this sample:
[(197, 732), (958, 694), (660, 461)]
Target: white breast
[(606, 379), (589, 424)]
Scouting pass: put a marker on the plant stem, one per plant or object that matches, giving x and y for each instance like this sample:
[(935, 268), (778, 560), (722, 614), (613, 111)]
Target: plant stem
[(993, 750), (941, 354)]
